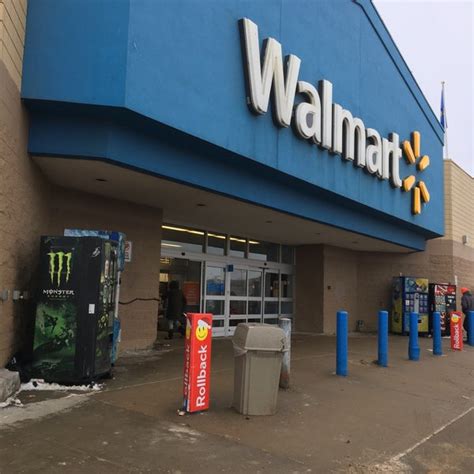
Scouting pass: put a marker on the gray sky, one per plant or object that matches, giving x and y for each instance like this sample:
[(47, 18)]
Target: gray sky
[(436, 39)]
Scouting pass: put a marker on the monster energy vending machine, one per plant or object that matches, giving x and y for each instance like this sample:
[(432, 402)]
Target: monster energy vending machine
[(75, 309), (409, 294)]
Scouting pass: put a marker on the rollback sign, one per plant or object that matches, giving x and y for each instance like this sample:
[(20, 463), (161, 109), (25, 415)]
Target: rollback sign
[(324, 123), (197, 362), (456, 331)]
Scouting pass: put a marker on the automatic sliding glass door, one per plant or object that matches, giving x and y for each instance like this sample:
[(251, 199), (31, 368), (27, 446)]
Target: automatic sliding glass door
[(215, 300), (271, 297)]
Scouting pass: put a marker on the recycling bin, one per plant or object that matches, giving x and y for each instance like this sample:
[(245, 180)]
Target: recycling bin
[(258, 352)]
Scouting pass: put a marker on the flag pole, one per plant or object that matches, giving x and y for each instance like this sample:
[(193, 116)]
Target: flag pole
[(445, 127)]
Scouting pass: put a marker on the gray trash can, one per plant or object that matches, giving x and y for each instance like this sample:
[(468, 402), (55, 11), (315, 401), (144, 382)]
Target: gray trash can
[(258, 351)]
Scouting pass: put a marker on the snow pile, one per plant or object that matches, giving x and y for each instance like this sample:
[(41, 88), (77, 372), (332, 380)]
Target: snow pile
[(40, 384), (11, 401)]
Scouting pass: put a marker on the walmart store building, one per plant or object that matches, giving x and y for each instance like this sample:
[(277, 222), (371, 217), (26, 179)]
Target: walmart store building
[(276, 158)]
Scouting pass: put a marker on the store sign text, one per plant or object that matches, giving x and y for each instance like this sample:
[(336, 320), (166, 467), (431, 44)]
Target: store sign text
[(317, 119)]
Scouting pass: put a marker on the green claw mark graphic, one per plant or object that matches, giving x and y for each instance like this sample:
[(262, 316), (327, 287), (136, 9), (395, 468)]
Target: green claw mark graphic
[(60, 266), (62, 256), (52, 256), (68, 265)]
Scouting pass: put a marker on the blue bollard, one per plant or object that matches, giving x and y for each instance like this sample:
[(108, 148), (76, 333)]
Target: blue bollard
[(383, 339), (413, 347), (341, 337), (470, 328), (437, 346)]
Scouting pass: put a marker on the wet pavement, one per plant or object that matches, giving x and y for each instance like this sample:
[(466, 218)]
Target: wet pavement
[(409, 417)]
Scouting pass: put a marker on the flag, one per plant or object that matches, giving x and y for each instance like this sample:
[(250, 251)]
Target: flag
[(443, 119)]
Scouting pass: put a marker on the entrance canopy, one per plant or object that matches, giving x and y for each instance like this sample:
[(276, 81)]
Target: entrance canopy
[(198, 208)]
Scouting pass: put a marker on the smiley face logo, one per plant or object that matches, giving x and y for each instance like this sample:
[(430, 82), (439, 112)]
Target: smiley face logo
[(202, 330)]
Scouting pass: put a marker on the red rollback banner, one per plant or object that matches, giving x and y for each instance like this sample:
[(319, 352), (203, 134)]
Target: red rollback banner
[(456, 331), (197, 362)]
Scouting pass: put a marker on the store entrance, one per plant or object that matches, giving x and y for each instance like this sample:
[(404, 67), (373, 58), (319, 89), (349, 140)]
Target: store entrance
[(188, 275), (233, 293)]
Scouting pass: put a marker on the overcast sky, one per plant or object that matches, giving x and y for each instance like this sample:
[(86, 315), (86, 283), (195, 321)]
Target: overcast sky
[(436, 39)]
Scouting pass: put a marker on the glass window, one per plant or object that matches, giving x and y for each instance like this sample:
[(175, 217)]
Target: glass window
[(238, 247), (238, 307), (271, 321), (271, 285), (271, 307), (287, 254), (254, 320), (216, 243), (236, 322), (255, 283), (218, 323), (215, 281), (286, 286), (181, 238), (215, 306), (286, 307), (255, 307), (265, 251), (238, 282)]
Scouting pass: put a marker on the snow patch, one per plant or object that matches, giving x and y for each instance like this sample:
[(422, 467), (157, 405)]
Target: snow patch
[(39, 384)]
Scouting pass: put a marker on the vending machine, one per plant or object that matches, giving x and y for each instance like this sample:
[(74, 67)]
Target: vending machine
[(409, 294), (75, 309), (442, 298), (118, 237)]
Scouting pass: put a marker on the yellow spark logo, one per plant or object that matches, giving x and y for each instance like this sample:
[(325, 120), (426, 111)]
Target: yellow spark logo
[(412, 154)]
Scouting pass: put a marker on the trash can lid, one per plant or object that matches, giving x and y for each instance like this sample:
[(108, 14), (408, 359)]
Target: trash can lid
[(259, 337)]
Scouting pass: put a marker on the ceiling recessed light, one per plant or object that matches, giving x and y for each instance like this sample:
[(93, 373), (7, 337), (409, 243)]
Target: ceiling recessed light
[(102, 180)]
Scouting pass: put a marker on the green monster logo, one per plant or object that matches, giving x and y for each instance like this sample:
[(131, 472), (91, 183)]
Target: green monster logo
[(62, 258)]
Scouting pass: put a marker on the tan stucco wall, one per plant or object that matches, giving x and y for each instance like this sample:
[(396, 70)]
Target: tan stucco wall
[(140, 279)]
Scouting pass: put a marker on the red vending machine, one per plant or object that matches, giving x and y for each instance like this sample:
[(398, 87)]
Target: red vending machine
[(443, 299)]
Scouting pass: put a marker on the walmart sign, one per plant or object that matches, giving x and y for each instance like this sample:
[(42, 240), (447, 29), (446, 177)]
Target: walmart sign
[(321, 121)]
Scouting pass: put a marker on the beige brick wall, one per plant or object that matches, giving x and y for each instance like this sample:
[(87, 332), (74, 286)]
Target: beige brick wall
[(30, 206), (459, 203), (330, 278), (340, 283), (309, 288), (12, 36), (23, 192)]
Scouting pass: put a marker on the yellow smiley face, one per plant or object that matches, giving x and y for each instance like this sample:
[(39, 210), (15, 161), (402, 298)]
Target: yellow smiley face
[(454, 318), (201, 332)]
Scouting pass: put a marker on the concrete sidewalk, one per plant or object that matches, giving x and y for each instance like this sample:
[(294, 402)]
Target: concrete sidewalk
[(409, 417)]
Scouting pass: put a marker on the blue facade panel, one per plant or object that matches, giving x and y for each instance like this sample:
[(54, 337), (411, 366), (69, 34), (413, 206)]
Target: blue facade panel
[(178, 64)]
